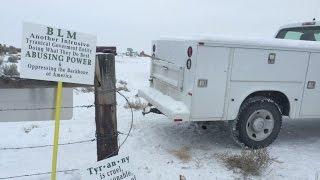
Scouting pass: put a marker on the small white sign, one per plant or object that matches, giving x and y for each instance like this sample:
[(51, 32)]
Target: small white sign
[(117, 167), (55, 54)]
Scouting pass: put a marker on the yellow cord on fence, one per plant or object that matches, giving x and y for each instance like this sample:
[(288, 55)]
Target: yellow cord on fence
[(56, 131)]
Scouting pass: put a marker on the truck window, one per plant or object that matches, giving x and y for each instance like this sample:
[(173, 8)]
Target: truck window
[(300, 33)]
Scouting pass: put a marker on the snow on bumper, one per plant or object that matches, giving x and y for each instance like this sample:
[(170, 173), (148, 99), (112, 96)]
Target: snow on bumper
[(175, 110)]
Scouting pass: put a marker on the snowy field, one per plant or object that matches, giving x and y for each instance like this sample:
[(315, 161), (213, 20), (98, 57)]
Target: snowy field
[(153, 142)]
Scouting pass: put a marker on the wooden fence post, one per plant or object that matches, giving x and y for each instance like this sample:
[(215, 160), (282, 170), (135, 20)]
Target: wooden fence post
[(105, 106), (182, 177)]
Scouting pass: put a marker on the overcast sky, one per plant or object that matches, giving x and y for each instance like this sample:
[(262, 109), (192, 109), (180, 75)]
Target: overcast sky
[(134, 23)]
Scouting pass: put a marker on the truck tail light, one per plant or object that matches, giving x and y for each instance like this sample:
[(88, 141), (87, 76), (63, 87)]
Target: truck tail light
[(189, 52)]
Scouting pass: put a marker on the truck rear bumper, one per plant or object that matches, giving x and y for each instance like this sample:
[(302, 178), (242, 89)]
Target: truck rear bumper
[(175, 110)]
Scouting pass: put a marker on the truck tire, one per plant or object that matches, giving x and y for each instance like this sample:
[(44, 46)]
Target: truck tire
[(258, 123)]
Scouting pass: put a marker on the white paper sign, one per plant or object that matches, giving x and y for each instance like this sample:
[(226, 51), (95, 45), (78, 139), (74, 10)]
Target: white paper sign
[(114, 168), (55, 54)]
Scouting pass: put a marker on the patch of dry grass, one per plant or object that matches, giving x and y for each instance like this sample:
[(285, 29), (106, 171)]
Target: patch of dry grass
[(182, 154), (248, 162)]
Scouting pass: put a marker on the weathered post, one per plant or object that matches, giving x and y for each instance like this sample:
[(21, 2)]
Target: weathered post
[(182, 177), (105, 106)]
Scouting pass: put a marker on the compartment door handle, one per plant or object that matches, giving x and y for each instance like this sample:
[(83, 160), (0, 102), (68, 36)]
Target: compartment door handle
[(165, 68), (311, 85)]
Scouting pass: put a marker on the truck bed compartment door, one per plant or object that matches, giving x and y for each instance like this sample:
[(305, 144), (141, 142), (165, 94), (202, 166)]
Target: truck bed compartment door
[(210, 83), (311, 96), (167, 73)]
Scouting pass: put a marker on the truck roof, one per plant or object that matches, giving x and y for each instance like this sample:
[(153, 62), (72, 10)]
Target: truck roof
[(249, 42), (301, 24)]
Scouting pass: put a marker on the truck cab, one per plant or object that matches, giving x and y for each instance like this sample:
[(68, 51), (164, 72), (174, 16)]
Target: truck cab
[(252, 83), (307, 31)]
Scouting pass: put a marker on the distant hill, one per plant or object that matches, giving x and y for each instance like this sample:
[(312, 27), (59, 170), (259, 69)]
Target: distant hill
[(4, 49)]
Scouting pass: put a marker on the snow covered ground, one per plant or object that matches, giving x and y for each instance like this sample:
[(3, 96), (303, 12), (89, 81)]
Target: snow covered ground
[(152, 142)]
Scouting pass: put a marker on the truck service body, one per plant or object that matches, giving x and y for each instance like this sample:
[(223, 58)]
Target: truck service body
[(212, 78)]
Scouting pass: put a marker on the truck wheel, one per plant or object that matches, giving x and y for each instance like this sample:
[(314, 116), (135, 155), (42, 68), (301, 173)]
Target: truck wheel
[(258, 123)]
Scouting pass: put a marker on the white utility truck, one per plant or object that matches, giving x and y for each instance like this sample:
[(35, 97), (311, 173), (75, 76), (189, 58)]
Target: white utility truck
[(251, 82)]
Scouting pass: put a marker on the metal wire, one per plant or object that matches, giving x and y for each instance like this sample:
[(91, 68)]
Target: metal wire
[(63, 107), (48, 108), (63, 144), (37, 174), (131, 124), (41, 146)]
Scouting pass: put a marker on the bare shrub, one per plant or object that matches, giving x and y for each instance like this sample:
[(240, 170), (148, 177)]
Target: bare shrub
[(136, 104), (11, 70), (86, 89), (123, 88), (182, 154), (13, 59), (29, 129), (248, 162), (122, 82)]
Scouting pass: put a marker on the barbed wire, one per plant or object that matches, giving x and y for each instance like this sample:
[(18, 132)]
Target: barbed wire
[(49, 108), (63, 144), (62, 107), (38, 174), (48, 145), (131, 124), (76, 142)]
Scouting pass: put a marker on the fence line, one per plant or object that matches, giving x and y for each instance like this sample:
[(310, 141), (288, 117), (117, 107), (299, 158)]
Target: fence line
[(48, 145), (68, 107), (38, 174), (61, 144), (63, 107), (76, 142), (60, 171), (47, 108)]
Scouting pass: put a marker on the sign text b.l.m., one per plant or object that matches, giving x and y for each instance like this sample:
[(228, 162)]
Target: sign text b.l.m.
[(55, 54)]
